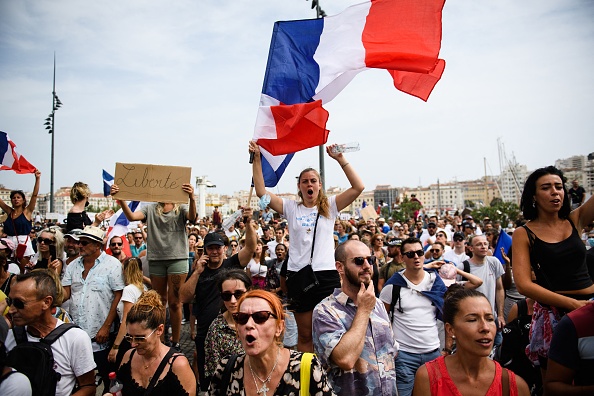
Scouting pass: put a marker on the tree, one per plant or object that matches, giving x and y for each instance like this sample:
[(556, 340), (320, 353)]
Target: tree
[(498, 210), (406, 211)]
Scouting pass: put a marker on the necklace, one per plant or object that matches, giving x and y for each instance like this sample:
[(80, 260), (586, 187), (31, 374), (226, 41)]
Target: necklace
[(264, 388), (145, 365)]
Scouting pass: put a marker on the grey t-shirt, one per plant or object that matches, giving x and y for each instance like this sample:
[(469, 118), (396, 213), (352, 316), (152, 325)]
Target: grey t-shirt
[(166, 234)]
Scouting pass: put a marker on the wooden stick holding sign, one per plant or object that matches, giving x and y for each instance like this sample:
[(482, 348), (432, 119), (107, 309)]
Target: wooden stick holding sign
[(152, 183)]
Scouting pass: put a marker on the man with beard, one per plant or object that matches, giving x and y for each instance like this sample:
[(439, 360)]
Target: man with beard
[(115, 245), (71, 246), (394, 264), (351, 329), (415, 299)]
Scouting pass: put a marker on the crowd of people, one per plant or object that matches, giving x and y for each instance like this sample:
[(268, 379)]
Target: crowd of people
[(295, 298)]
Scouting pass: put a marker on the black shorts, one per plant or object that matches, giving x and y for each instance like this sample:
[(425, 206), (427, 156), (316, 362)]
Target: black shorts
[(300, 302)]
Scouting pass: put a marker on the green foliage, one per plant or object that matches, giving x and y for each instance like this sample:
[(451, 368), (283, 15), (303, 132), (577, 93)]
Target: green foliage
[(406, 210), (498, 210)]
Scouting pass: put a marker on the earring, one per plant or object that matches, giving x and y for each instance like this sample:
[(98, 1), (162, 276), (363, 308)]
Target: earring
[(534, 203), (453, 337)]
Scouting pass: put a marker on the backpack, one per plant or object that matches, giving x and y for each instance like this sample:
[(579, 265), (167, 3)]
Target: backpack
[(511, 354), (36, 359)]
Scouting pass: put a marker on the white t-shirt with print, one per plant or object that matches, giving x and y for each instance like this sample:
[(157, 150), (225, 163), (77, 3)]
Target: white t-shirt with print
[(301, 221)]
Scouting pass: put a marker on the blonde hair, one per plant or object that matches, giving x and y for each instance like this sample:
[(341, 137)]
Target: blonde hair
[(322, 200), (148, 309), (79, 191), (58, 239), (160, 206), (132, 273)]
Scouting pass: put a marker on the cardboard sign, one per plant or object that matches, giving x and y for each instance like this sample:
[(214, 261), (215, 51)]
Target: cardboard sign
[(368, 213), (152, 183)]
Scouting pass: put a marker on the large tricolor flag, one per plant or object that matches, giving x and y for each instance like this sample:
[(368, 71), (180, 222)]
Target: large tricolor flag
[(11, 160), (311, 61)]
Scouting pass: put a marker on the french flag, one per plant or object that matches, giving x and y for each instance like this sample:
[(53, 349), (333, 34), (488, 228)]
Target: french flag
[(107, 182), (118, 226), (11, 160), (311, 61)]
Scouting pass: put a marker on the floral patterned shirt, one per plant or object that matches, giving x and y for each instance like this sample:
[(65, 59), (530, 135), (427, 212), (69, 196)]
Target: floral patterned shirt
[(221, 341), (289, 384), (374, 373)]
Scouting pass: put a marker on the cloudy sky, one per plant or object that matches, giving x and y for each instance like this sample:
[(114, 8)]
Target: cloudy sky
[(178, 83)]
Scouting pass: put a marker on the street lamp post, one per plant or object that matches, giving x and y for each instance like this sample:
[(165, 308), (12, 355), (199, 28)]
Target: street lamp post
[(49, 125)]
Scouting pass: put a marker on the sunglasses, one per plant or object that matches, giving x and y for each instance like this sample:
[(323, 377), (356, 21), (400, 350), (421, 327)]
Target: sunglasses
[(84, 242), (458, 239), (46, 241), (17, 303), (259, 317), (226, 295), (434, 251), (361, 260), (413, 253), (115, 244), (137, 339)]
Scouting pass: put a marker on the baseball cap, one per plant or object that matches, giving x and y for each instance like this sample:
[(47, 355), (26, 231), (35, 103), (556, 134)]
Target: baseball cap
[(459, 234), (74, 234), (448, 273), (213, 238), (395, 242)]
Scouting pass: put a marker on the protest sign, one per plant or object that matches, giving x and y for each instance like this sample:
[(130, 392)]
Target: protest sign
[(368, 213), (152, 183)]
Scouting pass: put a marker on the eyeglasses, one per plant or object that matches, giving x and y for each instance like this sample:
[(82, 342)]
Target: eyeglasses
[(45, 241), (458, 239), (259, 317), (18, 303), (116, 244), (412, 253), (138, 339), (226, 295), (435, 251), (84, 242), (431, 226), (361, 260), (233, 245), (137, 237)]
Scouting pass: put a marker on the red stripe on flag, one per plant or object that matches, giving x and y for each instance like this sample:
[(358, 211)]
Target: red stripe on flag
[(298, 127), (405, 36)]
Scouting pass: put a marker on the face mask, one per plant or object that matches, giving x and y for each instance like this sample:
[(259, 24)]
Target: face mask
[(591, 242)]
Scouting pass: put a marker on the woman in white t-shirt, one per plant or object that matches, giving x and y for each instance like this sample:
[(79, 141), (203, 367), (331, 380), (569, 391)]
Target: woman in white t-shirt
[(256, 269), (314, 208), (131, 293)]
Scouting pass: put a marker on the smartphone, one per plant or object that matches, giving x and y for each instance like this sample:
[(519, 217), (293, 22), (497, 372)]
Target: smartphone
[(53, 255)]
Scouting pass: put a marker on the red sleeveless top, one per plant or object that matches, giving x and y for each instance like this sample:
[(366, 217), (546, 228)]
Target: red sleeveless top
[(442, 384)]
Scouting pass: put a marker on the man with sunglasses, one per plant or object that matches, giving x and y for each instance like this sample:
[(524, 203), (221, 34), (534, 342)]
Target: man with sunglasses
[(415, 298), (115, 245), (94, 282), (458, 254), (32, 300), (201, 284), (351, 329), (139, 244)]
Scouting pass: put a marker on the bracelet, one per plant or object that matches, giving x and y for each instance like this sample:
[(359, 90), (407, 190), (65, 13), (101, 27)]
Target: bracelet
[(342, 166), (115, 347)]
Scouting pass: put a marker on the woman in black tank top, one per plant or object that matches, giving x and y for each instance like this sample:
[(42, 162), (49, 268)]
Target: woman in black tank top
[(550, 245)]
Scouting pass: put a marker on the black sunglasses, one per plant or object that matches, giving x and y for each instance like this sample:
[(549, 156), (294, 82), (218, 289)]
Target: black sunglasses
[(226, 295), (435, 251), (46, 241), (361, 260), (84, 242), (414, 253), (259, 317), (15, 302), (458, 239), (115, 244)]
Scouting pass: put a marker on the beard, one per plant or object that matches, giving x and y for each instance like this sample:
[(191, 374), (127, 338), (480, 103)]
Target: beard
[(353, 278)]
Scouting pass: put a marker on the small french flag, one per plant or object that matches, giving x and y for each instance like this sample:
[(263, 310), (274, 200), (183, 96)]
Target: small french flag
[(11, 160)]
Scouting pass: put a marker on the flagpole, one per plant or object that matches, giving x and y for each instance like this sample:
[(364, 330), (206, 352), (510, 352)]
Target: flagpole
[(53, 134), (320, 14)]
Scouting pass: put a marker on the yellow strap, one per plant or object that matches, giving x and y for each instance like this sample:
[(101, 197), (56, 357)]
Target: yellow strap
[(305, 374)]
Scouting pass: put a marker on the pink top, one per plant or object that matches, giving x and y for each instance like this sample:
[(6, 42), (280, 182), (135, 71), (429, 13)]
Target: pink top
[(442, 384)]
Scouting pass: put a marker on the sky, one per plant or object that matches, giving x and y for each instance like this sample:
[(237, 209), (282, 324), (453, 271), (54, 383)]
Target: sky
[(179, 82)]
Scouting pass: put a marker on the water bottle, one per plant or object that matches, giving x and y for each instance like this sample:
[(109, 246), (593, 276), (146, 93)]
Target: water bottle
[(345, 148), (232, 219), (115, 386)]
